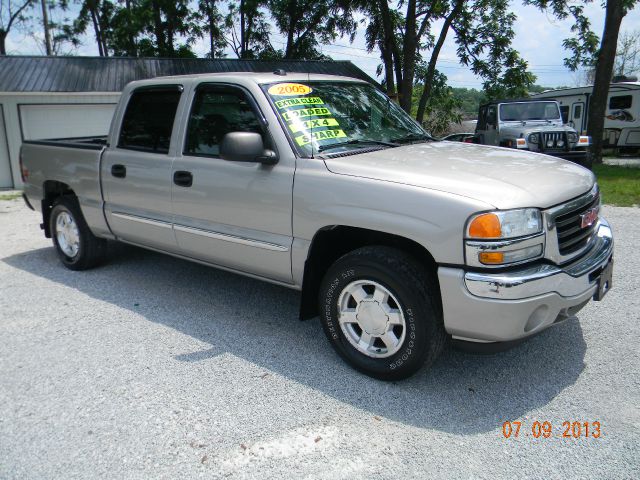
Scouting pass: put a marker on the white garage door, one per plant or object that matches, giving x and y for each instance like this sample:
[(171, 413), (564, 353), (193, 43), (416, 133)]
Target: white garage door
[(5, 170), (65, 120)]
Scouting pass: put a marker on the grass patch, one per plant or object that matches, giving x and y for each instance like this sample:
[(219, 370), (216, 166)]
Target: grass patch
[(10, 196), (619, 185)]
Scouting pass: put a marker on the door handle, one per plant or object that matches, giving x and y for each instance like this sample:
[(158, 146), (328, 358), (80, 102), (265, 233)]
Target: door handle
[(182, 178), (119, 171)]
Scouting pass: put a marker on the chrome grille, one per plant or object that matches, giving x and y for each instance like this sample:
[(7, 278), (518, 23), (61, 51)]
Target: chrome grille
[(572, 236), (554, 141)]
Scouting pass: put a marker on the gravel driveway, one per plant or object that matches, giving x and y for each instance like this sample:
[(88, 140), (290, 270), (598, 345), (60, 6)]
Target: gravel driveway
[(153, 367)]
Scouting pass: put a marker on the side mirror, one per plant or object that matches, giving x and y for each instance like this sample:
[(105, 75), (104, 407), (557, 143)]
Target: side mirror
[(246, 147)]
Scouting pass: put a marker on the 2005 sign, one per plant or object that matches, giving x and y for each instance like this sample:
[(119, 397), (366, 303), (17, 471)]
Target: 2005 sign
[(289, 89), (545, 430)]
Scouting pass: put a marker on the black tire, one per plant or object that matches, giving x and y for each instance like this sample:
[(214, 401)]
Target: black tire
[(418, 297), (91, 249)]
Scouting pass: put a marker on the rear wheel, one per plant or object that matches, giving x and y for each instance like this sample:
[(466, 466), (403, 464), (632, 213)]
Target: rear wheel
[(381, 312), (76, 246)]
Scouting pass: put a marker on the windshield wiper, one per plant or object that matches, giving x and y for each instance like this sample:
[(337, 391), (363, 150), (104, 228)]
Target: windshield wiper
[(413, 137), (322, 148)]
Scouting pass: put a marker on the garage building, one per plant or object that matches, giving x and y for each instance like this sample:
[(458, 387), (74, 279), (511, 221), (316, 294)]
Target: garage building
[(58, 97)]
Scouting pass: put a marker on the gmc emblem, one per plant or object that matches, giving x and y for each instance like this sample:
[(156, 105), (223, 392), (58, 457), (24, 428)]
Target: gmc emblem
[(589, 217)]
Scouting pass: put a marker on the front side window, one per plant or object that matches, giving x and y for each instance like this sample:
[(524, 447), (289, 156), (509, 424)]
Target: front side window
[(523, 111), (564, 111), (148, 120), (620, 101), (327, 116), (216, 111)]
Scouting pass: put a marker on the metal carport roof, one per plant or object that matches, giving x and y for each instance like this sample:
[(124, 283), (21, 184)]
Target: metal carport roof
[(111, 74)]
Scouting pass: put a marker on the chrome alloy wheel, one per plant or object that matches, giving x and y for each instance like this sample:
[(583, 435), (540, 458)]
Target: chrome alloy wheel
[(371, 318), (67, 234)]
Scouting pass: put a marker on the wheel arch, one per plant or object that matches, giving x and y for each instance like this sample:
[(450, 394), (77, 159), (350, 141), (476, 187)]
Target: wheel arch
[(51, 191), (332, 242)]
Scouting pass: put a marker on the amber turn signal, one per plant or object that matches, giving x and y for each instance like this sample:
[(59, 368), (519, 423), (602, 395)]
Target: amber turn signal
[(485, 226), (491, 258)]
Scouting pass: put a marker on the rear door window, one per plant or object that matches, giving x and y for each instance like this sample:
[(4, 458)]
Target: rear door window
[(148, 120)]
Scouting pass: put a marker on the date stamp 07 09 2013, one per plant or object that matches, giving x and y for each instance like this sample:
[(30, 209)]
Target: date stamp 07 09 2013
[(545, 429)]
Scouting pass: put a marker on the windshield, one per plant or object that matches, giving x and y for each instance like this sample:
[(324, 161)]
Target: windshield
[(340, 116), (529, 111)]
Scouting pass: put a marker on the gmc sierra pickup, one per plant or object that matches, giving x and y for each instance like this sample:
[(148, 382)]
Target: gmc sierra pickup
[(322, 184)]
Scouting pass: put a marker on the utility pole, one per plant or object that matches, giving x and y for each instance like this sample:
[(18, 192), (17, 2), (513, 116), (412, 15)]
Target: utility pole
[(45, 24)]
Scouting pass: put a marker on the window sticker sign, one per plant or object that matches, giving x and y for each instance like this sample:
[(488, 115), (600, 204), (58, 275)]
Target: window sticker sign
[(319, 136), (282, 89), (301, 126), (292, 102), (304, 115), (305, 112)]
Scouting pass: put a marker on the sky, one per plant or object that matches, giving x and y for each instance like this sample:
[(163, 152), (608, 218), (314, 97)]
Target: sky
[(538, 39)]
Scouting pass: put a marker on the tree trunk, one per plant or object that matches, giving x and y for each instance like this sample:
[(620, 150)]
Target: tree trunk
[(96, 29), (409, 47), (132, 50), (431, 68), (604, 69), (387, 59), (3, 38), (390, 41), (47, 32), (293, 21), (158, 30)]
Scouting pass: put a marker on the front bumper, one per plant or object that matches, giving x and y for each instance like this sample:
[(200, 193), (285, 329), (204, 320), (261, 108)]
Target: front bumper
[(500, 307)]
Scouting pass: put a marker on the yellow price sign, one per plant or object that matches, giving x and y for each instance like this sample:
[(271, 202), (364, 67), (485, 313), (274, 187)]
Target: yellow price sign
[(321, 135), (299, 126), (292, 102), (283, 89), (305, 112)]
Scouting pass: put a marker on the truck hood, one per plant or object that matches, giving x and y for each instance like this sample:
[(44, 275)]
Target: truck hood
[(515, 129), (501, 177)]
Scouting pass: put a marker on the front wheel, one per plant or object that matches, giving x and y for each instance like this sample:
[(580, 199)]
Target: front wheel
[(76, 246), (381, 312)]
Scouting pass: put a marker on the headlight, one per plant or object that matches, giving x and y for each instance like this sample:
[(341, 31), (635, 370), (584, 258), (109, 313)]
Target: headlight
[(572, 137), (533, 138), (506, 237), (505, 224)]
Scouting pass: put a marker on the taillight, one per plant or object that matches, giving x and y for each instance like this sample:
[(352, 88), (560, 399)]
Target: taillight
[(24, 172)]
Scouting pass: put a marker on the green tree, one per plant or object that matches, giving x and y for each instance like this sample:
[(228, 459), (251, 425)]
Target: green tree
[(306, 24), (483, 30), (443, 107), (12, 13), (210, 22), (98, 13), (248, 29)]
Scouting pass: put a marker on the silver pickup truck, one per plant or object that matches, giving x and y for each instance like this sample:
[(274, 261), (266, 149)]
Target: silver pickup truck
[(322, 184)]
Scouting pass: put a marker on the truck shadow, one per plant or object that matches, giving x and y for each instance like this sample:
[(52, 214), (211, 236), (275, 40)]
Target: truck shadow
[(258, 322)]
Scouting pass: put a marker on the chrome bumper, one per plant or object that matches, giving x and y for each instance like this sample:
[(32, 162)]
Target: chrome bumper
[(500, 307), (566, 281)]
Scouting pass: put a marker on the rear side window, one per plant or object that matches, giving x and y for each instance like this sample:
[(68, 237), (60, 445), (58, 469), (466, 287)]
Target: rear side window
[(148, 120), (619, 102)]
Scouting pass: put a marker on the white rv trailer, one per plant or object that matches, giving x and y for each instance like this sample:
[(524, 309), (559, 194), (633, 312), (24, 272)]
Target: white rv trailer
[(622, 117)]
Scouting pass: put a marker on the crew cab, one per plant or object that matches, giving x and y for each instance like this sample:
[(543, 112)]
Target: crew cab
[(323, 184), (534, 125)]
